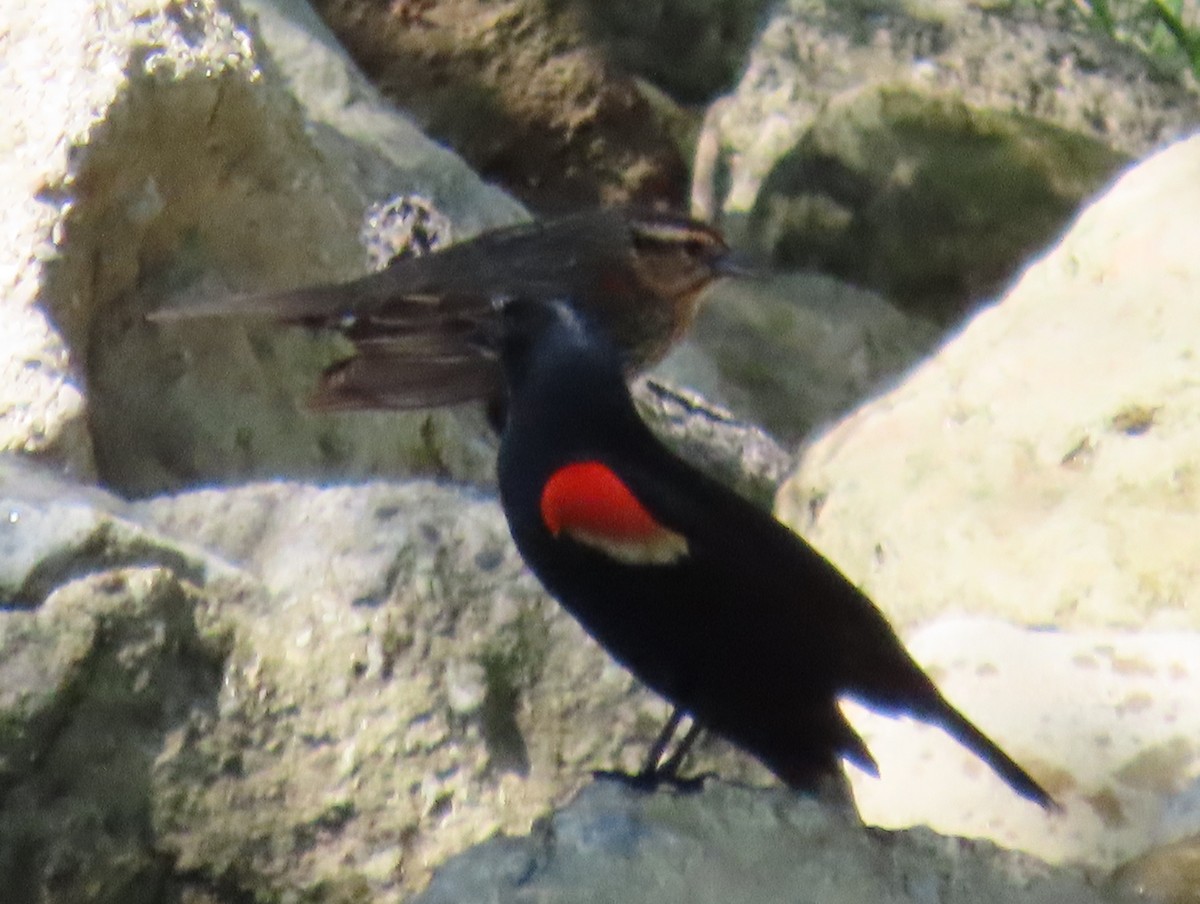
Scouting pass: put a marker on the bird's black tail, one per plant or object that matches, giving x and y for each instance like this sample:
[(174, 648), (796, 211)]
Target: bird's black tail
[(895, 685), (970, 736)]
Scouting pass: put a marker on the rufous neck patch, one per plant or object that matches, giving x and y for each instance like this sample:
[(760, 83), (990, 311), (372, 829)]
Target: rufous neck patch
[(589, 503)]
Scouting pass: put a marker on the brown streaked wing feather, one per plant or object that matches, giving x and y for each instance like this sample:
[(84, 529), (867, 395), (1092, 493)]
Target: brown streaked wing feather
[(387, 381), (540, 259), (443, 340)]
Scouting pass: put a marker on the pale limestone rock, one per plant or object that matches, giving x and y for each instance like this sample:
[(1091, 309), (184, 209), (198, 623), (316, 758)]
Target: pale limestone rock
[(65, 68), (156, 152), (1042, 465)]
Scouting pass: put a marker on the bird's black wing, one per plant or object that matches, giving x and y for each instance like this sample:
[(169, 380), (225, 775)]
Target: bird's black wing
[(810, 599), (733, 534), (769, 596)]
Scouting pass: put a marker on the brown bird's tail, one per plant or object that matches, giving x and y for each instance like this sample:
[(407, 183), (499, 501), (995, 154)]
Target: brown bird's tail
[(413, 351), (332, 305)]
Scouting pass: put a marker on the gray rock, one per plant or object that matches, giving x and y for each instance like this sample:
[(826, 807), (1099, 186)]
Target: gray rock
[(990, 56), (1029, 115), (1169, 874), (336, 690), (352, 684), (735, 844), (361, 134), (399, 688), (95, 681), (918, 196), (737, 453), (796, 351), (1041, 468), (53, 531)]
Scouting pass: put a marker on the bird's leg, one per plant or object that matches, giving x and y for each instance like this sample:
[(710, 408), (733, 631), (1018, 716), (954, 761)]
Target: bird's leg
[(650, 768), (654, 771), (669, 771)]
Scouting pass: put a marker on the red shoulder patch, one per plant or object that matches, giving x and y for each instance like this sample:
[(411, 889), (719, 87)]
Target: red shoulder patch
[(588, 495), (588, 502)]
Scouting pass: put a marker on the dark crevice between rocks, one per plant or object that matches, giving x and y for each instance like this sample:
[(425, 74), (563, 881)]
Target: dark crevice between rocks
[(513, 664), (694, 52), (507, 751), (102, 551), (522, 94), (188, 886)]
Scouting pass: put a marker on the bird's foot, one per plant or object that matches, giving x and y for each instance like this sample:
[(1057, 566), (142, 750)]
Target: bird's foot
[(651, 781)]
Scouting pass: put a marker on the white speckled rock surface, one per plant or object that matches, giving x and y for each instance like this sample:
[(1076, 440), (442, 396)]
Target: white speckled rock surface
[(1107, 721)]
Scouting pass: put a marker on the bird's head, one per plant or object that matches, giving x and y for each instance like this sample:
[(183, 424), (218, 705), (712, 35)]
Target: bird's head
[(679, 256)]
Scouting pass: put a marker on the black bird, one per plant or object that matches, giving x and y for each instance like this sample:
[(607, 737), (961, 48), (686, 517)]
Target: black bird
[(708, 600), (415, 324)]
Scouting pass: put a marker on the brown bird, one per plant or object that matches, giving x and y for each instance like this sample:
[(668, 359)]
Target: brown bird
[(415, 325)]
